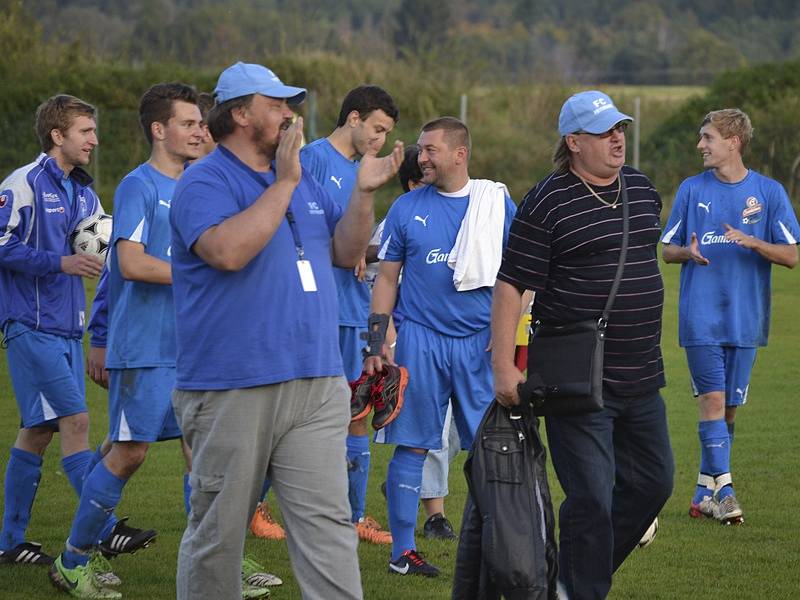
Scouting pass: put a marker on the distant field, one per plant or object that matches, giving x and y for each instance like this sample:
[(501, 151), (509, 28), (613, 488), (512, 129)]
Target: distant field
[(757, 561)]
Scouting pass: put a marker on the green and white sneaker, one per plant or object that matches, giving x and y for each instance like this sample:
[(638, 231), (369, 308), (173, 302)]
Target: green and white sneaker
[(254, 574), (80, 582), (251, 591), (102, 571)]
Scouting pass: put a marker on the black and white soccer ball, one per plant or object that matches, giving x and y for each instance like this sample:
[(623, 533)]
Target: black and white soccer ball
[(92, 236), (650, 534)]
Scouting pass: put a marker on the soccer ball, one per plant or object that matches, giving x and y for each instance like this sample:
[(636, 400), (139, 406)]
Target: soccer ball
[(650, 534), (92, 236)]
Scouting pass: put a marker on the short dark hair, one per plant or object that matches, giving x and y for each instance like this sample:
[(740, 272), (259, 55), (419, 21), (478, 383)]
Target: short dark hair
[(58, 112), (205, 102), (220, 120), (156, 104), (409, 169), (455, 131), (365, 99)]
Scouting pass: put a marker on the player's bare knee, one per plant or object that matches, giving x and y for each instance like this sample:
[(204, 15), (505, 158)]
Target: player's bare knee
[(34, 439), (125, 458), (712, 406), (75, 427)]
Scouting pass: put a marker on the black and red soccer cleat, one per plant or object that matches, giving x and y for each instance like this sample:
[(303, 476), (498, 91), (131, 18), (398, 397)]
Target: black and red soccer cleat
[(361, 397), (387, 395)]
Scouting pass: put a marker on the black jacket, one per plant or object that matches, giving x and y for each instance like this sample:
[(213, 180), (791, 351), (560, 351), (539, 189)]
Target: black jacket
[(507, 546)]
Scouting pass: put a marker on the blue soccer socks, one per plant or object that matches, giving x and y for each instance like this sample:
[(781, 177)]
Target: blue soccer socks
[(96, 458), (75, 468), (358, 459), (715, 460), (23, 472), (102, 491), (403, 483)]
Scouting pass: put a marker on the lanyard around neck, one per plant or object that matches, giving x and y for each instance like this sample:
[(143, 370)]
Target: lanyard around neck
[(262, 181)]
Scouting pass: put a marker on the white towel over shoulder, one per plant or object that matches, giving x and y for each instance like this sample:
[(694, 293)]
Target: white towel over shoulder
[(475, 257)]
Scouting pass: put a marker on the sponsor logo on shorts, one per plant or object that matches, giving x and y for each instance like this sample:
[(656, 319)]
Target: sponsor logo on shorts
[(338, 181), (709, 237), (314, 209), (167, 203), (436, 256), (753, 211)]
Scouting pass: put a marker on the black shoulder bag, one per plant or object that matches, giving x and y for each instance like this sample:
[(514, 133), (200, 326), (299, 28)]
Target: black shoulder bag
[(565, 362)]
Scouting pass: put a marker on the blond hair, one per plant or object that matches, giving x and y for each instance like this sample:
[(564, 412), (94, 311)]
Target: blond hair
[(731, 122)]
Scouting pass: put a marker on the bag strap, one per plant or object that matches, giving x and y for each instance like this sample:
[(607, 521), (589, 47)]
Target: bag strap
[(623, 252)]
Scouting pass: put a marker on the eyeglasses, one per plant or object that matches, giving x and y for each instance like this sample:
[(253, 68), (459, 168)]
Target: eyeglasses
[(618, 128)]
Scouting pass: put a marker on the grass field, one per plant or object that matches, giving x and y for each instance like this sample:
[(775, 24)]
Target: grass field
[(758, 560)]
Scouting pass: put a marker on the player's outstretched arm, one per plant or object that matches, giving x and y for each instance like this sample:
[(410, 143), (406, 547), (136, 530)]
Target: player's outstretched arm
[(354, 228), (781, 254)]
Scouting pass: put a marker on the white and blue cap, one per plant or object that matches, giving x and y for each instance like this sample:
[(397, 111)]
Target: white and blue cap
[(590, 112), (243, 79)]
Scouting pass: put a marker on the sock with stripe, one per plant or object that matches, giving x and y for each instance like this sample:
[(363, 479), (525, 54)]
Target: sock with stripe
[(358, 459), (715, 451), (101, 494), (23, 472), (74, 467), (403, 483)]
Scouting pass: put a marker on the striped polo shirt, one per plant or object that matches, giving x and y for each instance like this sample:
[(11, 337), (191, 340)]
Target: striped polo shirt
[(564, 244)]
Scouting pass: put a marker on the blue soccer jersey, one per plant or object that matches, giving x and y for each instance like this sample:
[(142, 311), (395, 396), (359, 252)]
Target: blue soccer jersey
[(337, 175), (727, 302), (142, 319), (421, 228)]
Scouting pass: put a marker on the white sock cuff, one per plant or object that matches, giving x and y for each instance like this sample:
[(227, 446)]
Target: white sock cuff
[(722, 480), (706, 481)]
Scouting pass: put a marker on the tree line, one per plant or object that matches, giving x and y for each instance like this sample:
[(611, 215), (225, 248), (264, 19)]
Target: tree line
[(614, 41)]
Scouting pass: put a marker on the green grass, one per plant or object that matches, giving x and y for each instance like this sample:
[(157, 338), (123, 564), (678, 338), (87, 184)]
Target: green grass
[(758, 560)]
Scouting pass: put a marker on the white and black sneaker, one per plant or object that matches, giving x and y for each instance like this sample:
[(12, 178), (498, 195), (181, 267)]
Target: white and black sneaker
[(126, 540), (412, 563), (27, 553)]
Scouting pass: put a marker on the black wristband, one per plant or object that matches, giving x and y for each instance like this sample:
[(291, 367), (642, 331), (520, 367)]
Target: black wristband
[(375, 336)]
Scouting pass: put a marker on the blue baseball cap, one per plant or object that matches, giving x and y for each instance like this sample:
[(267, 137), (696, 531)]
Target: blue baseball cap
[(592, 112), (243, 79)]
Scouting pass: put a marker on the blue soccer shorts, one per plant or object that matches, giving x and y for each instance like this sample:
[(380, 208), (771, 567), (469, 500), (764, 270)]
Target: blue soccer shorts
[(440, 367), (140, 405), (46, 373), (350, 344), (721, 368)]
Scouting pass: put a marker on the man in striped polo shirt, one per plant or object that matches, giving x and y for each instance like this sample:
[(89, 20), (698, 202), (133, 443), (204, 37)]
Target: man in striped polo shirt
[(616, 465)]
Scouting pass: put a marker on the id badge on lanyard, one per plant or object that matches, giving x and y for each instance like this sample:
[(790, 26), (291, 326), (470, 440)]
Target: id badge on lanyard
[(304, 270)]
